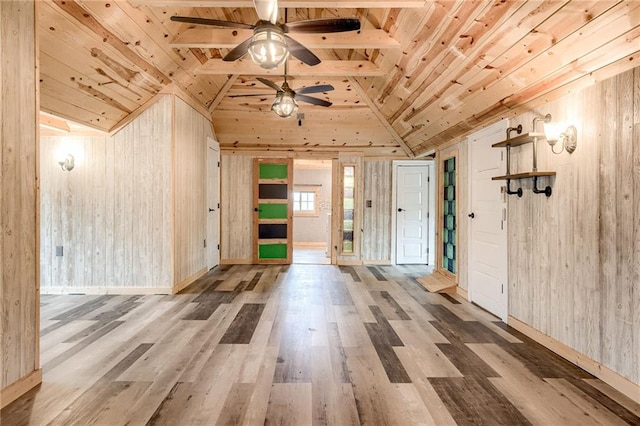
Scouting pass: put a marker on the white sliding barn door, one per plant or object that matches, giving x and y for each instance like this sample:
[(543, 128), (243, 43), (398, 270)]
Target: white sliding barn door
[(213, 202), (412, 214), (488, 227)]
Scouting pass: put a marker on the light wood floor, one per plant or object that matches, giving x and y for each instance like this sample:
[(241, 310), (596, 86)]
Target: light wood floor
[(301, 345), (311, 256)]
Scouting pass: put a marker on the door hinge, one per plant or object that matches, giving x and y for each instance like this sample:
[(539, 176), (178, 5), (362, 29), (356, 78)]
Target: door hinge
[(205, 243), (502, 288), (218, 164), (218, 206), (218, 246)]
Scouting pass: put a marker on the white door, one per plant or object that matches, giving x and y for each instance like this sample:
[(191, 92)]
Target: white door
[(213, 202), (412, 216), (487, 218)]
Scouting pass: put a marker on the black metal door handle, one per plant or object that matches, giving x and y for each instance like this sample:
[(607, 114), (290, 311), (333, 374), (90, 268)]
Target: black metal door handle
[(211, 210), (400, 210), (257, 210), (472, 215)]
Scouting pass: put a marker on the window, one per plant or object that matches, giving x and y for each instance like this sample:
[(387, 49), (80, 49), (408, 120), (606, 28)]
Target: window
[(305, 200), (348, 207)]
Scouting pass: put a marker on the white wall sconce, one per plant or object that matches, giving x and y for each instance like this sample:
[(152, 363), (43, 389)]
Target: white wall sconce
[(68, 163), (555, 132)]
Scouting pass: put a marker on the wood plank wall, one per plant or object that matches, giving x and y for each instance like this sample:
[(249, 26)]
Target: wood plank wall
[(112, 212), (574, 268), (19, 319), (190, 193), (236, 208), (377, 230)]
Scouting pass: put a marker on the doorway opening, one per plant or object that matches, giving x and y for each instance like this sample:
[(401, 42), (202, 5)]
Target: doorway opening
[(312, 181)]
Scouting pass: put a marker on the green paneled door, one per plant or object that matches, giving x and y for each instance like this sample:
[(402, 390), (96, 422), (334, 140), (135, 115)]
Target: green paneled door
[(273, 216)]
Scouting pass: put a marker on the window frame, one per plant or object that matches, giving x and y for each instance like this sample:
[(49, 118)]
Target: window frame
[(315, 189)]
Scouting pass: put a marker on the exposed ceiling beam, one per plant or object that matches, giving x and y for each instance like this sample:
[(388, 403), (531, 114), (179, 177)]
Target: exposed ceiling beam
[(374, 109), (222, 93), (206, 38), (54, 123), (335, 4), (326, 68)]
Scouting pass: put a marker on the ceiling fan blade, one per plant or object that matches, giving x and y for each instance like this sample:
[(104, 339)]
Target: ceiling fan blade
[(239, 51), (328, 25), (210, 22), (252, 94), (267, 10), (312, 100), (270, 84), (302, 53), (315, 89)]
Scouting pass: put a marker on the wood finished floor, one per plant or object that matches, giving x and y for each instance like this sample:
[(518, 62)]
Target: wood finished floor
[(301, 345)]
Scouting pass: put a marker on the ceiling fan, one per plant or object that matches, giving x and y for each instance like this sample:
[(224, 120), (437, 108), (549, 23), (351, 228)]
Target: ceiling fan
[(270, 44), (285, 104)]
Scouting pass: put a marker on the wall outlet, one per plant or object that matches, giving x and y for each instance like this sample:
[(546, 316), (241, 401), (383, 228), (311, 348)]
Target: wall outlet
[(59, 251)]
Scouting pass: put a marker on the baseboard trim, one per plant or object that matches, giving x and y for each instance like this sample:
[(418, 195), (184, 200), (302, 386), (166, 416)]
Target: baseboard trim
[(462, 293), (622, 384), (344, 262), (189, 280), (105, 290), (19, 388), (236, 261), (309, 244)]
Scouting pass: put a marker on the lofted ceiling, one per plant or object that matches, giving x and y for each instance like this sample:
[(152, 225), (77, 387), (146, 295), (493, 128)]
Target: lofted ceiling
[(416, 76)]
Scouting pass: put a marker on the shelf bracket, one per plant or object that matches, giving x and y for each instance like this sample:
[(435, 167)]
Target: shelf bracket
[(546, 191), (517, 192)]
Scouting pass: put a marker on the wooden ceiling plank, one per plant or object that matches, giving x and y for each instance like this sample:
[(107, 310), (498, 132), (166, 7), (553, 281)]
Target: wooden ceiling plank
[(565, 53), (229, 38), (147, 38), (59, 38), (481, 68), (74, 113), (433, 37), (54, 123), (81, 100), (408, 23), (616, 57), (223, 92), (67, 76), (356, 86), (497, 113), (334, 4), (79, 13), (463, 58), (326, 68)]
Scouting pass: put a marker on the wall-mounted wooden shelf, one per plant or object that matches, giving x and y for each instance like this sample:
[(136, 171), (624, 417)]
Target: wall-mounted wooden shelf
[(522, 139), (523, 175)]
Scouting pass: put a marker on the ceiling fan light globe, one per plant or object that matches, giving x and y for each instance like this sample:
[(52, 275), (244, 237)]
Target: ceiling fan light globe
[(268, 48), (285, 105)]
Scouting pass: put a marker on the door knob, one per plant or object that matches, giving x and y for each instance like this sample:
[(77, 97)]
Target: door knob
[(211, 210), (471, 215), (400, 210)]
